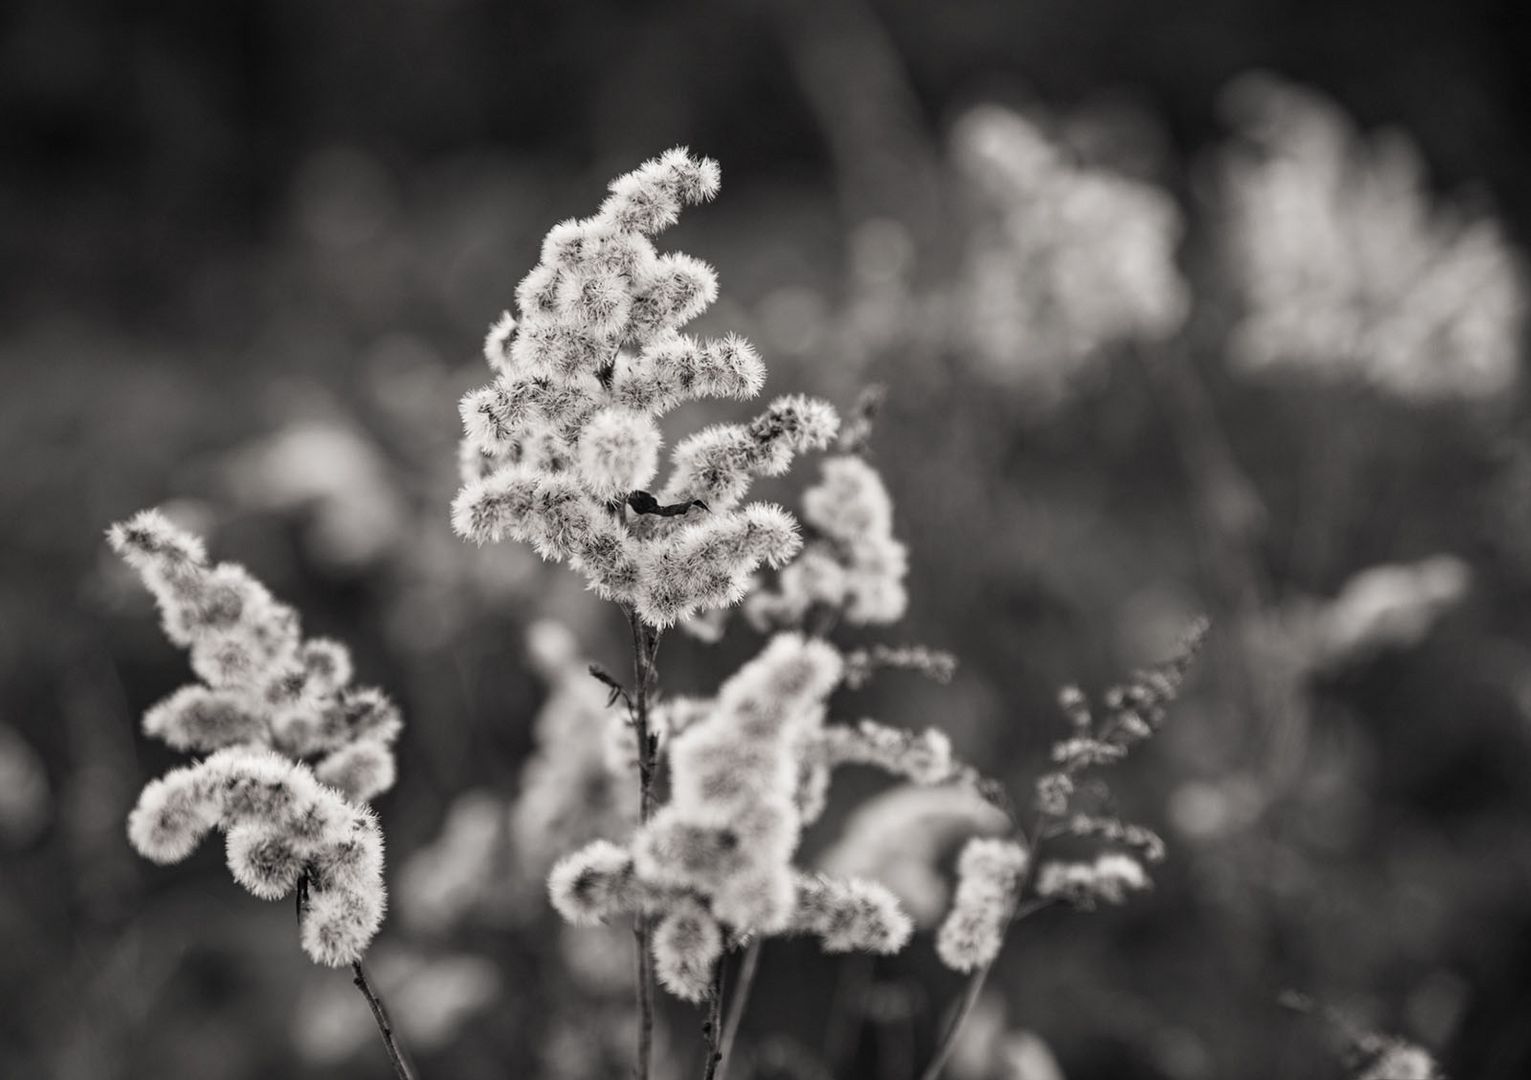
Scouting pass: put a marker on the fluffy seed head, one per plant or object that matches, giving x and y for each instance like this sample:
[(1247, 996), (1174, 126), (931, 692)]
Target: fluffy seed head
[(339, 924), (618, 452), (173, 814), (592, 884), (988, 873), (265, 860), (361, 771), (687, 944), (850, 915)]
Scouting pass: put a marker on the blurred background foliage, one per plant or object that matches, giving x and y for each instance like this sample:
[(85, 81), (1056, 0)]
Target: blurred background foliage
[(249, 252)]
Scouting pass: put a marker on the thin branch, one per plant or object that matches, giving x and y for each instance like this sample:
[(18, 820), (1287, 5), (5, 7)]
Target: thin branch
[(645, 980), (645, 649), (712, 1027), (948, 1042), (401, 1067), (959, 1017), (742, 987)]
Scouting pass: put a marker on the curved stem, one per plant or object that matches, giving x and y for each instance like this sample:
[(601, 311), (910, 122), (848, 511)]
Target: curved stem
[(746, 982), (401, 1067)]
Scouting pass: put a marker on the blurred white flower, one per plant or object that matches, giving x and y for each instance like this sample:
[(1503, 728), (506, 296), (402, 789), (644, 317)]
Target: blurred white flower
[(1078, 259), (328, 472), (1348, 267)]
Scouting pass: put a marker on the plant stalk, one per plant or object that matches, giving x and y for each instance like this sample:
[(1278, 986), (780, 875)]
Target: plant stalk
[(742, 987), (712, 1028), (401, 1067), (645, 648)]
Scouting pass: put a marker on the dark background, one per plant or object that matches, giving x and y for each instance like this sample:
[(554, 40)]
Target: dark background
[(223, 224)]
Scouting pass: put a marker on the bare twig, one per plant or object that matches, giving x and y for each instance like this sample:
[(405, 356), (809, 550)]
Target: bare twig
[(645, 649), (742, 987), (959, 1017), (385, 1028), (1033, 841), (712, 1027), (401, 1066)]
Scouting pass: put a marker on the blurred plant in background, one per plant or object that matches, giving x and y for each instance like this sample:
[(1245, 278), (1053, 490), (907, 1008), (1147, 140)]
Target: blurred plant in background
[(1347, 266)]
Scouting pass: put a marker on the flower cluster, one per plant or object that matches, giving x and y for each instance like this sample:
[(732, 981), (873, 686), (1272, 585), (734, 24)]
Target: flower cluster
[(1079, 259), (731, 825), (988, 885), (1108, 878), (854, 567), (719, 853), (1348, 268), (285, 830), (995, 874), (1132, 713), (269, 701), (900, 836), (263, 684), (862, 664), (559, 449)]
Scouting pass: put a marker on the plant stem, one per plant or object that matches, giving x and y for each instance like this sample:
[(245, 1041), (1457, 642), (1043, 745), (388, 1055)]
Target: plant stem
[(645, 648), (742, 987), (385, 1028), (1033, 841), (949, 1040), (712, 1028), (401, 1066)]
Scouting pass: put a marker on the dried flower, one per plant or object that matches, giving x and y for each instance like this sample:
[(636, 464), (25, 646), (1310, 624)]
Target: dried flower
[(1109, 878), (282, 825), (988, 882), (731, 826), (900, 836), (850, 915), (687, 943), (924, 757), (561, 445), (935, 664), (1079, 259), (1348, 267), (272, 701), (264, 684), (855, 567)]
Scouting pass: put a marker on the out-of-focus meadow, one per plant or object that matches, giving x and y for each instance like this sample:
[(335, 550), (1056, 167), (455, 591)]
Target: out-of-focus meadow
[(1159, 336)]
